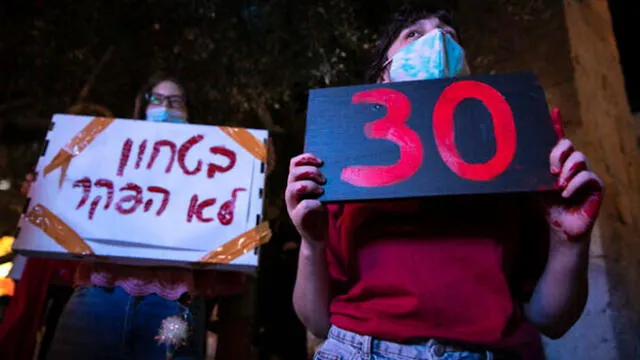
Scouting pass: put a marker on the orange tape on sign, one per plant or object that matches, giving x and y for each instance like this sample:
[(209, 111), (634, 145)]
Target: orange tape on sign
[(77, 144), (242, 244), (249, 142), (56, 229)]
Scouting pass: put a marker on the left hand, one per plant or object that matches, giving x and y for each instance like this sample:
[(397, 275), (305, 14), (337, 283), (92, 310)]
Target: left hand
[(25, 187), (573, 213)]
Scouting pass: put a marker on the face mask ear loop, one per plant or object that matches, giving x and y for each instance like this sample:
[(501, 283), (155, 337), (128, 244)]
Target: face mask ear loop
[(387, 63), (444, 53)]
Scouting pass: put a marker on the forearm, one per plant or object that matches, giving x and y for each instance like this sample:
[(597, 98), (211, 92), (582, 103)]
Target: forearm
[(311, 292), (561, 293)]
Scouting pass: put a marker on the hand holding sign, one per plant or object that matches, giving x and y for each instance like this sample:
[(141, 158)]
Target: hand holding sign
[(25, 186), (304, 185), (574, 212)]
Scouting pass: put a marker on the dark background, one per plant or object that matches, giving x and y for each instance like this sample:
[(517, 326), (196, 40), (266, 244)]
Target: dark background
[(625, 25), (245, 63)]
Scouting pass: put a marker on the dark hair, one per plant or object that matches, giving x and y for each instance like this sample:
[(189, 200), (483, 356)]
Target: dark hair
[(141, 98), (407, 15)]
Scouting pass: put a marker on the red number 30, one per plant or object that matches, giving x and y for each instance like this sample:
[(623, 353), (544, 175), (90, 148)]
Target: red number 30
[(392, 127)]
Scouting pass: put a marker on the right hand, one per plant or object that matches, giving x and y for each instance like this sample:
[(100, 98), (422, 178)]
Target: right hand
[(26, 184), (304, 186)]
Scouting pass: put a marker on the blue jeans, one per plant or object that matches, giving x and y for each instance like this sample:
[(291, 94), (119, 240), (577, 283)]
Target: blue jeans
[(345, 345), (100, 323)]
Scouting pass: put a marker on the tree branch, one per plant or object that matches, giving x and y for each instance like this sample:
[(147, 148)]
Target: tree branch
[(84, 93)]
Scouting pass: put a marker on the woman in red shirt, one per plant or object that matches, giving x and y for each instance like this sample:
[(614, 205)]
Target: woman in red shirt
[(468, 277)]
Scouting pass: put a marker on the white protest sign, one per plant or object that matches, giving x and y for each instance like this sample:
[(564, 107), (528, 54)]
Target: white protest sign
[(148, 190)]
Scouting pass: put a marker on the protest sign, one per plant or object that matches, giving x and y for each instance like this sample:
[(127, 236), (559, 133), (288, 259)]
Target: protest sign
[(147, 193), (472, 135)]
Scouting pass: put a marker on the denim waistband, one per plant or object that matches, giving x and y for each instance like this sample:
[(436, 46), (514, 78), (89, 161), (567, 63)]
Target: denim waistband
[(428, 350)]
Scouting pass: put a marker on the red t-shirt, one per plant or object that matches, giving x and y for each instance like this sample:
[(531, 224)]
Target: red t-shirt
[(449, 268)]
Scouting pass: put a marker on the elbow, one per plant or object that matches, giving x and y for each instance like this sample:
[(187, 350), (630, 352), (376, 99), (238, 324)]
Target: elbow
[(554, 332), (556, 327), (321, 332), (316, 322)]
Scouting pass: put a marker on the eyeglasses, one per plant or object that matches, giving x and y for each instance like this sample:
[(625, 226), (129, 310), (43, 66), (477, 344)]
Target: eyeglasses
[(173, 101)]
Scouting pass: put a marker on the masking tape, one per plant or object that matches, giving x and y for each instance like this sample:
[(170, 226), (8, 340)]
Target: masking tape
[(249, 142), (58, 230), (240, 245), (77, 144)]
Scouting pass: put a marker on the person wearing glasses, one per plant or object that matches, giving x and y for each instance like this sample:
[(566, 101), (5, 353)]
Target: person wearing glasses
[(162, 99), (116, 311)]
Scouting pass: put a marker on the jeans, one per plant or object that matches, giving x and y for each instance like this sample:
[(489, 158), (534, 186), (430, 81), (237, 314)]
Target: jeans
[(345, 345), (57, 298), (100, 323)]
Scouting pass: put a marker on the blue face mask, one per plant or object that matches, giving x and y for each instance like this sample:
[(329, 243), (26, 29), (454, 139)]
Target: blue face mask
[(436, 55), (163, 114)]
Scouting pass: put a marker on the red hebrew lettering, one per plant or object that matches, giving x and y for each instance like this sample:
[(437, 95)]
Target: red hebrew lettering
[(196, 209), (141, 150), (229, 154), (124, 156), (391, 127), (165, 199), (135, 199), (108, 184), (225, 214), (85, 184), (128, 203), (184, 151), (94, 205), (503, 126), (147, 205), (156, 150)]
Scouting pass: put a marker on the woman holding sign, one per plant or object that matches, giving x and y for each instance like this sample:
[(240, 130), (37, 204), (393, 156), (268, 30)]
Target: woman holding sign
[(473, 277), (132, 312)]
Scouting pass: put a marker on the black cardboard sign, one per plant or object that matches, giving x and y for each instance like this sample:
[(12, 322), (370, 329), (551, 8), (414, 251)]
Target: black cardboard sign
[(472, 135)]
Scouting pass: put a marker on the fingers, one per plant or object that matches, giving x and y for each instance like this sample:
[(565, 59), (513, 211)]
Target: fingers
[(309, 205), (572, 169), (306, 187), (575, 163), (591, 207), (556, 121), (304, 159), (24, 188), (304, 184), (305, 180), (298, 191), (581, 181), (559, 155), (307, 173)]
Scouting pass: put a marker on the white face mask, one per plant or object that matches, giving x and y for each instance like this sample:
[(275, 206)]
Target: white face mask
[(163, 114), (436, 55)]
